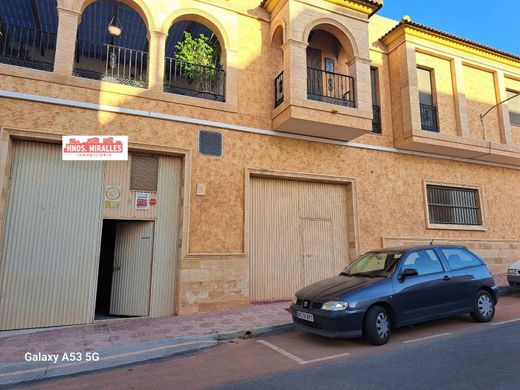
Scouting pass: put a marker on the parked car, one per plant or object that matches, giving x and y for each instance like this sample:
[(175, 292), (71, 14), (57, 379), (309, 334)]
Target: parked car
[(513, 275), (395, 287)]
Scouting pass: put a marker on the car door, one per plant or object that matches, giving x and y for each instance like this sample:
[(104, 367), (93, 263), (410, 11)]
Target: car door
[(426, 295), (466, 272)]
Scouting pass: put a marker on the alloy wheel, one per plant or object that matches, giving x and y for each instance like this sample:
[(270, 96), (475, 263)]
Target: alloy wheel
[(485, 306), (382, 325)]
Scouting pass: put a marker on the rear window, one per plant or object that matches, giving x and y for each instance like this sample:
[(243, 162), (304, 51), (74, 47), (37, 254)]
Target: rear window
[(459, 258)]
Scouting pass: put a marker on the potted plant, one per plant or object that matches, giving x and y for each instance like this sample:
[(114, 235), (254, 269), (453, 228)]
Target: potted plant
[(200, 61)]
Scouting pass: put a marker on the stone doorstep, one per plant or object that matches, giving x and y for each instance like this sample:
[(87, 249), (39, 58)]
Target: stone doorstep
[(13, 373)]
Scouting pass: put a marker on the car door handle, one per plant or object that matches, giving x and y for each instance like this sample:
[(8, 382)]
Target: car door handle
[(446, 277)]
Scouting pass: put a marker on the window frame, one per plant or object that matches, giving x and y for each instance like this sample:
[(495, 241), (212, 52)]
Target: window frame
[(402, 267), (376, 96), (439, 226), (516, 124), (442, 248)]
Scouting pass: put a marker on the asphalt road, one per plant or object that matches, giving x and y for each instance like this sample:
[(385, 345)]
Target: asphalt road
[(488, 359), (454, 353)]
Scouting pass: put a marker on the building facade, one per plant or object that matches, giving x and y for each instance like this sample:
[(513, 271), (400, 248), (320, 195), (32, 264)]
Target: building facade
[(313, 132)]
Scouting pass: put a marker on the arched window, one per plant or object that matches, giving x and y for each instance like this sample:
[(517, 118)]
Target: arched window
[(193, 63), (328, 77), (28, 33), (112, 44)]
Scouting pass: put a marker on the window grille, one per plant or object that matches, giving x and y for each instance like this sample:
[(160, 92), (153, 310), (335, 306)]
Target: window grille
[(453, 206)]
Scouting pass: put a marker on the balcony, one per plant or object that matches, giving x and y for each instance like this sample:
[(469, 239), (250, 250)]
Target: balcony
[(329, 87), (327, 110), (184, 78), (376, 121), (428, 117), (111, 63), (29, 48)]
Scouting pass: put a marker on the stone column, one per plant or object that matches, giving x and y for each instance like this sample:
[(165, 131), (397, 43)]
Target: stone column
[(231, 92), (359, 68), (461, 108), (156, 59), (66, 42), (504, 123), (295, 70), (409, 86)]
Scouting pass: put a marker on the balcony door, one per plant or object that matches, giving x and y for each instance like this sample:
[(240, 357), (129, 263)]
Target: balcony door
[(314, 76)]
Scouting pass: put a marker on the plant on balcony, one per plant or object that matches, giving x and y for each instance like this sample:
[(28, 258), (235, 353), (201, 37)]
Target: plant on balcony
[(200, 60)]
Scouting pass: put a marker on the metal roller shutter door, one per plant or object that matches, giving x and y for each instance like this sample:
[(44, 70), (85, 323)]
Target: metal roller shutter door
[(48, 266), (298, 235)]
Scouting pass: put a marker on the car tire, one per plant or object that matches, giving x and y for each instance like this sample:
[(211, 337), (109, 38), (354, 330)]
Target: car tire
[(483, 307), (377, 326)]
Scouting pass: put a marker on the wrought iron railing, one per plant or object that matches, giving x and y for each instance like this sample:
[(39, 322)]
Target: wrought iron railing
[(376, 121), (184, 78), (27, 47), (330, 87), (111, 63), (428, 117), (278, 90)]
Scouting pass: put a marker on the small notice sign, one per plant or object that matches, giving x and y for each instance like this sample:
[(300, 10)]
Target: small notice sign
[(112, 197), (142, 200)]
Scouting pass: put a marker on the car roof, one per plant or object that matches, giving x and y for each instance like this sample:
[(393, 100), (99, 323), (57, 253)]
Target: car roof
[(407, 248)]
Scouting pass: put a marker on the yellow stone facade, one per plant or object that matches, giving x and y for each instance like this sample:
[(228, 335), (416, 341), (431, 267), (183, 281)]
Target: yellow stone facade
[(389, 169)]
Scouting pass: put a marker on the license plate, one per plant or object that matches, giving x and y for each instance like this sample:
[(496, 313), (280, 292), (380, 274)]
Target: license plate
[(305, 316)]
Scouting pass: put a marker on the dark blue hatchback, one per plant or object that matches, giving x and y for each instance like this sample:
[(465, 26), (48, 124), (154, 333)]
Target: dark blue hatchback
[(394, 287)]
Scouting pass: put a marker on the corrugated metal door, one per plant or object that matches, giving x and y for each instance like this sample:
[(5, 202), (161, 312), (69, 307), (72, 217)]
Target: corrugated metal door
[(298, 235), (166, 245), (52, 236), (317, 249), (130, 294)]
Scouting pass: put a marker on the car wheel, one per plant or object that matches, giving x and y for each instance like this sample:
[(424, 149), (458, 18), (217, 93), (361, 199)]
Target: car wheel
[(377, 326), (484, 307)]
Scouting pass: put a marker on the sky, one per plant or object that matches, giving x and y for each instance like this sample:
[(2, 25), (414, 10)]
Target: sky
[(494, 23)]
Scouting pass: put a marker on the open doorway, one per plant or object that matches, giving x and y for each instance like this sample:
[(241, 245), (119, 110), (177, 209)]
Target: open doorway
[(125, 269)]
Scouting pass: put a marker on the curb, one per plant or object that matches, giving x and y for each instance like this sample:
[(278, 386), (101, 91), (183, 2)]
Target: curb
[(15, 373), (506, 290)]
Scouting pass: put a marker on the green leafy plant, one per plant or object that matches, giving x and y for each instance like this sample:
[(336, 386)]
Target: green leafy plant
[(200, 58)]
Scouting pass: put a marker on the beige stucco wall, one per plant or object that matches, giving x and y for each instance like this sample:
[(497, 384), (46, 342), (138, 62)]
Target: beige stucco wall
[(480, 95), (442, 89), (214, 271)]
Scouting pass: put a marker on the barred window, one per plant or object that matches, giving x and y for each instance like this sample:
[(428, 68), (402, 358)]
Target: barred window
[(453, 206)]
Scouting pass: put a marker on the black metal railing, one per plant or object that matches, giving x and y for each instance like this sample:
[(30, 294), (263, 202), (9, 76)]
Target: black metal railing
[(184, 78), (26, 47), (376, 119), (330, 87), (111, 63), (278, 90), (428, 117)]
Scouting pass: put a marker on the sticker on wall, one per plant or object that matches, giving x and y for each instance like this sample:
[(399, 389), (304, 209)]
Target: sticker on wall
[(142, 200), (153, 202), (86, 147), (112, 197)]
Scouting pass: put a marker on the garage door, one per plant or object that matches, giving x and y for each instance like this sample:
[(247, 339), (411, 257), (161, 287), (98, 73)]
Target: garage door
[(51, 241), (298, 235)]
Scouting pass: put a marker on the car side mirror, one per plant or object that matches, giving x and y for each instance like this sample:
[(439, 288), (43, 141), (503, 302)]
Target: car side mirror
[(408, 273)]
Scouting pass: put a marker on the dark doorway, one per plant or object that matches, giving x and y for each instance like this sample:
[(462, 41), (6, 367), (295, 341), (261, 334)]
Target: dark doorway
[(106, 265)]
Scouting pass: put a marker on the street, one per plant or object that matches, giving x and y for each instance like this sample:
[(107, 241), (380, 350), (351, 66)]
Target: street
[(450, 353)]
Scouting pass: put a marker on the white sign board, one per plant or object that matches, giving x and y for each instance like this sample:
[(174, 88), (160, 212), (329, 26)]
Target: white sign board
[(95, 147)]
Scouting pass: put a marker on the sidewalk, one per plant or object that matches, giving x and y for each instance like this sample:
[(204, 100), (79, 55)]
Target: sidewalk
[(124, 341)]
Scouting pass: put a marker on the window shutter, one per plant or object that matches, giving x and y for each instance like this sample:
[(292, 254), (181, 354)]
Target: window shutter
[(144, 173)]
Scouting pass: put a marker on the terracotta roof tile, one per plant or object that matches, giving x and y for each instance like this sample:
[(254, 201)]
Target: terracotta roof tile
[(453, 37)]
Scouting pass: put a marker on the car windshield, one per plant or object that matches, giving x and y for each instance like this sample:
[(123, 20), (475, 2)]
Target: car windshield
[(373, 264)]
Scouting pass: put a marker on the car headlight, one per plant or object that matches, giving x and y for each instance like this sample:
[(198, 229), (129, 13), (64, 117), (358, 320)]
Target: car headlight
[(334, 306), (294, 299)]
